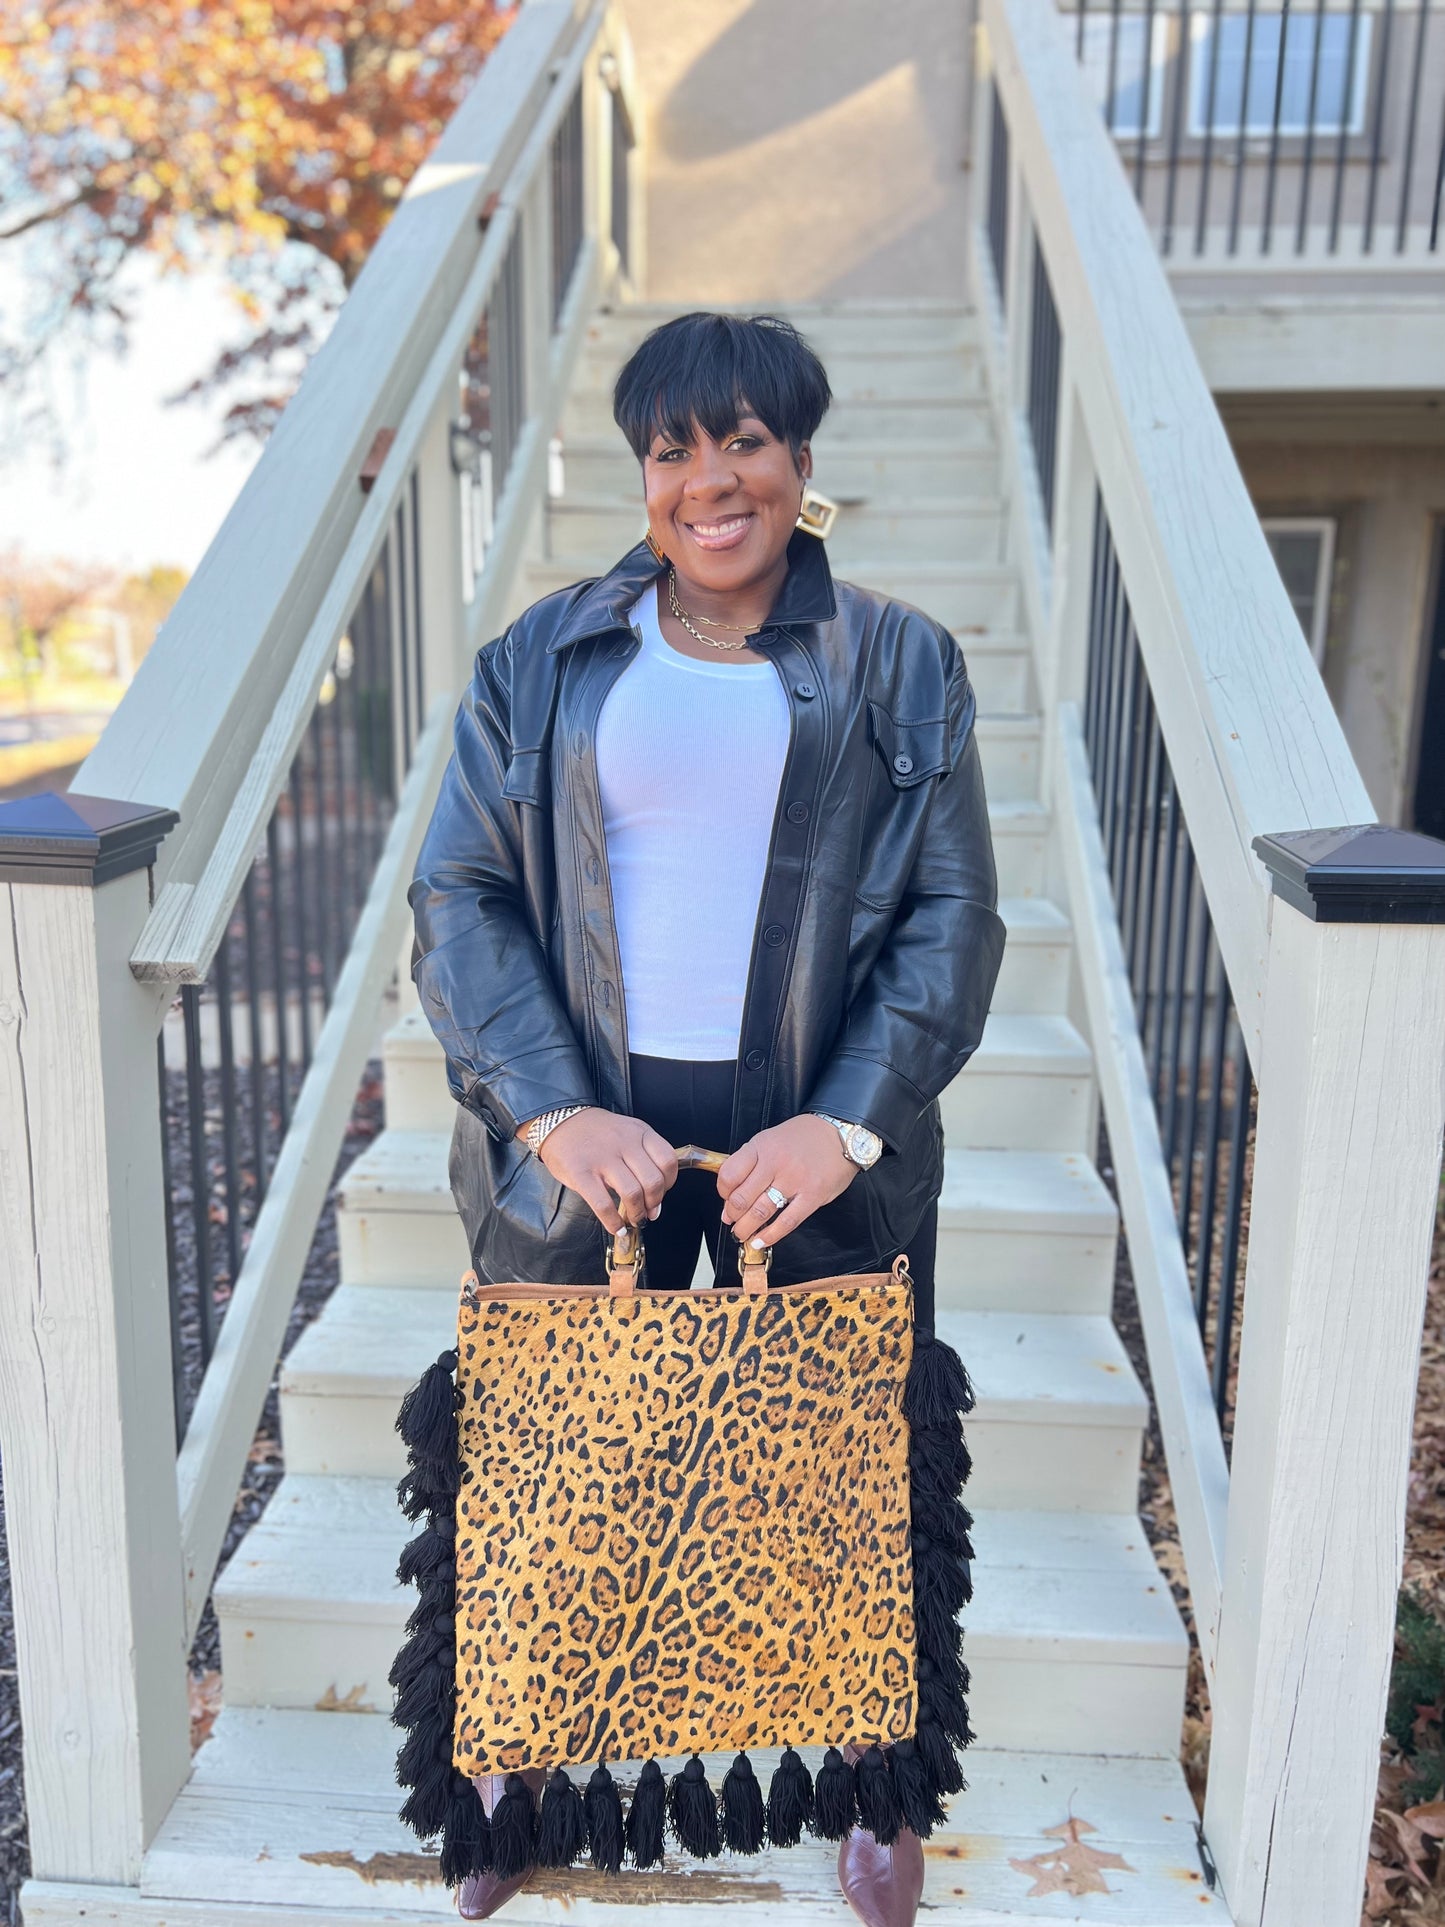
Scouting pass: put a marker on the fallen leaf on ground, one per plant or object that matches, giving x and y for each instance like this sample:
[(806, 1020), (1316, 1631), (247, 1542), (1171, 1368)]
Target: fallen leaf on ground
[(1074, 1868), (205, 1698)]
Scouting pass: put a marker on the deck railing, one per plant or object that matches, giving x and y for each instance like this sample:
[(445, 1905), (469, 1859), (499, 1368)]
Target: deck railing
[(267, 780), (1275, 133), (1270, 1045)]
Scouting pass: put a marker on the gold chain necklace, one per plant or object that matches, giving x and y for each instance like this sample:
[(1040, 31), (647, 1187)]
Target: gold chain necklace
[(688, 622)]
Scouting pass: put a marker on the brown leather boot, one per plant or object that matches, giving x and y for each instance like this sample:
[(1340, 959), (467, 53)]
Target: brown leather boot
[(883, 1885), (481, 1894)]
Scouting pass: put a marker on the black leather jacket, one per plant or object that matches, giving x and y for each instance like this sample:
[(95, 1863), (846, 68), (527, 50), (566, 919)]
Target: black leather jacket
[(877, 940)]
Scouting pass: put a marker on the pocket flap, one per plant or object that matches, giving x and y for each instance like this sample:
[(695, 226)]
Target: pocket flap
[(913, 750)]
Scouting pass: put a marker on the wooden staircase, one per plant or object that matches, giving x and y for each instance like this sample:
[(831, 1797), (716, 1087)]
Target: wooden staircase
[(1077, 1652)]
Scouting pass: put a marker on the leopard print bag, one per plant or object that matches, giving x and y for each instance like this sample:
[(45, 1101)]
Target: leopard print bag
[(671, 1523)]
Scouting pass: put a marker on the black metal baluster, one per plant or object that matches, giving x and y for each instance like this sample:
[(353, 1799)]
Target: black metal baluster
[(1144, 916), (1209, 1186), (1216, 33), (1233, 1224), (1092, 656), (225, 1017), (1129, 773), (1342, 136), (1236, 196), (1139, 837), (402, 664), (1196, 1042), (1439, 188), (278, 965), (258, 1049), (1182, 79), (1174, 1001), (1115, 9), (1272, 165), (303, 935), (1377, 131), (1148, 64), (1412, 128), (1165, 925), (173, 1282), (200, 1167), (1307, 158)]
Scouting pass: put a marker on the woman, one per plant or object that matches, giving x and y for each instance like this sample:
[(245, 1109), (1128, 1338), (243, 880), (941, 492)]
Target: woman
[(711, 864)]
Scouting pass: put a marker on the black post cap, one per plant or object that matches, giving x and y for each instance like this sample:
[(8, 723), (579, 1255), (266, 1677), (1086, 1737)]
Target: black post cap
[(54, 838), (1368, 873)]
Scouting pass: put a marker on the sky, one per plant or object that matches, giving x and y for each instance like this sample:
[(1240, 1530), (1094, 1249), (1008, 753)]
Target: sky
[(138, 488)]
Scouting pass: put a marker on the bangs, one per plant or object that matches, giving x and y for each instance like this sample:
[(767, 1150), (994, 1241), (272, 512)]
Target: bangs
[(706, 371)]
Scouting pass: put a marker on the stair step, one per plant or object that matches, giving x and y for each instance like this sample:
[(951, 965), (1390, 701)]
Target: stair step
[(296, 1811), (1030, 1231), (603, 464), (1028, 1087), (952, 421), (1087, 1652), (1058, 1421), (858, 370), (1033, 980), (969, 528), (1034, 1230), (964, 596), (1019, 827)]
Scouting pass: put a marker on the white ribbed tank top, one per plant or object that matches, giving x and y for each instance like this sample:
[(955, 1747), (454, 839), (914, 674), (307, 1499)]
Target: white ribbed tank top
[(689, 759)]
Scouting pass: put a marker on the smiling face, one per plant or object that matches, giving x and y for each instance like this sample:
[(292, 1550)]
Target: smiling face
[(723, 511)]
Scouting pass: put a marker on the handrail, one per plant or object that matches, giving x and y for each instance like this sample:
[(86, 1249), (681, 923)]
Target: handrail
[(189, 917), (1254, 742), (271, 566)]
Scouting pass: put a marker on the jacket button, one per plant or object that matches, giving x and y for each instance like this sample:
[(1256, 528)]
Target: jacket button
[(797, 812), (903, 764), (805, 690), (774, 935), (579, 743), (594, 870), (756, 1059)]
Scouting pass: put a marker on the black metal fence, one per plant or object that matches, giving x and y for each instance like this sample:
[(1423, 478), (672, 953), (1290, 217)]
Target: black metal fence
[(1045, 353), (567, 180), (998, 163), (233, 1053), (1193, 1043), (1275, 130)]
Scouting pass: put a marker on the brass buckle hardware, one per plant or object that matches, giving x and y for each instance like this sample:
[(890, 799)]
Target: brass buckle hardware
[(624, 1251), (754, 1261), (818, 513)]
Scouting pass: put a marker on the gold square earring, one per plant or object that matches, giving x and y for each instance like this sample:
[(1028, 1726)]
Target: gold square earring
[(658, 556)]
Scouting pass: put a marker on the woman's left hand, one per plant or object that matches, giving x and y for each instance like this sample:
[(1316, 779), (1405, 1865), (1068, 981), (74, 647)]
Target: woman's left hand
[(802, 1158)]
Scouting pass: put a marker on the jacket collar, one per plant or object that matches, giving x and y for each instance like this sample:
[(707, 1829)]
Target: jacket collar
[(806, 595)]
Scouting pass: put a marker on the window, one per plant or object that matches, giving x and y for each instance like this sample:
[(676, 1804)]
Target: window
[(1303, 547), (1111, 50), (1311, 66)]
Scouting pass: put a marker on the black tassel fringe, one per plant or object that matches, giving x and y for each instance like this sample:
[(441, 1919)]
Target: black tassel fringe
[(743, 1819), (604, 1821), (692, 1809), (646, 1817), (514, 1829), (562, 1830), (790, 1801), (835, 1797)]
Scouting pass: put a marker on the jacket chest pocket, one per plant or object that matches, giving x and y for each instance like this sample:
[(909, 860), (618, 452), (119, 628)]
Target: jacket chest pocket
[(912, 749)]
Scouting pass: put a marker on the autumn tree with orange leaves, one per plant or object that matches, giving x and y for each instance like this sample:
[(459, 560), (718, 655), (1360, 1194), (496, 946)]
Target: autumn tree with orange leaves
[(275, 135)]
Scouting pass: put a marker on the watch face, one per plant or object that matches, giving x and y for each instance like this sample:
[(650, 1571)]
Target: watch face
[(864, 1146)]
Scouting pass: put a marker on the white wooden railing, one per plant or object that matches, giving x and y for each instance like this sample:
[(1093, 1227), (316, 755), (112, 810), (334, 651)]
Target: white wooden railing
[(1293, 1550), (113, 1541)]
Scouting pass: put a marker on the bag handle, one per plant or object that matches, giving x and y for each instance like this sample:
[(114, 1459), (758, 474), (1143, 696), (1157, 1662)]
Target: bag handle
[(624, 1247)]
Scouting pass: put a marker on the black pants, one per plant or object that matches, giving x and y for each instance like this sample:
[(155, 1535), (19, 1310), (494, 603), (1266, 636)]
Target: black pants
[(692, 1103)]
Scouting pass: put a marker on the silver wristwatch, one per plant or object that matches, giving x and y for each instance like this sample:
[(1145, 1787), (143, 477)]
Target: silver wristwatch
[(860, 1145), (548, 1121)]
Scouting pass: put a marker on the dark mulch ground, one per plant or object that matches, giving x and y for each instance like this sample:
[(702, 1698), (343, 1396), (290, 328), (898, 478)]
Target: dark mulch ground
[(263, 1470)]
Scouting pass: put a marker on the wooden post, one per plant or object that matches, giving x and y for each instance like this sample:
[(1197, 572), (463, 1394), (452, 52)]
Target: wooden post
[(86, 1418), (1346, 1170)]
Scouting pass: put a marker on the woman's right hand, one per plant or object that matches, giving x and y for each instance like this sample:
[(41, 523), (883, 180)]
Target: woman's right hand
[(618, 1164)]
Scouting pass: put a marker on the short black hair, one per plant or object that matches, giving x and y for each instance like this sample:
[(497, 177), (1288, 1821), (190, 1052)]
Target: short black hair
[(708, 370)]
